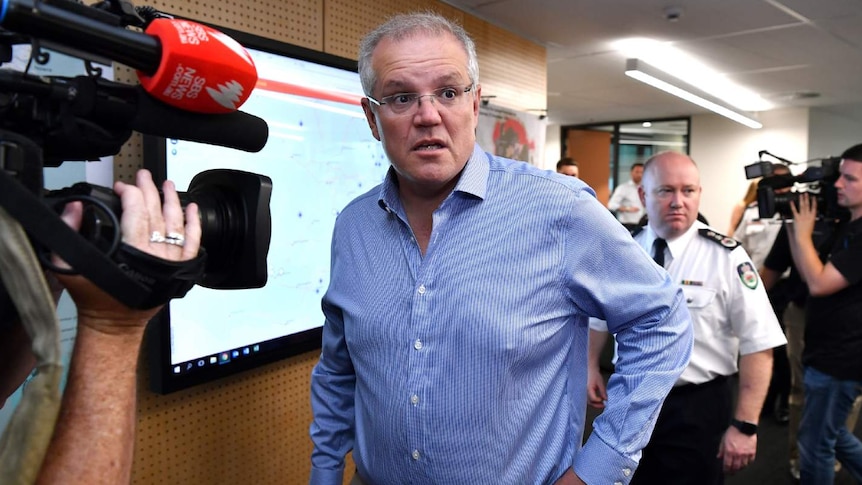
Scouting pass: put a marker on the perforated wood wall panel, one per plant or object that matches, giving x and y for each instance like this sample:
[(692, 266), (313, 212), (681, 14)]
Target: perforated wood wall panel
[(511, 69), (252, 428), (346, 21), (298, 22)]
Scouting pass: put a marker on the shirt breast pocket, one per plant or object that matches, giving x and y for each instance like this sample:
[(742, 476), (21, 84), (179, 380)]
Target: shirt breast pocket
[(698, 297), (705, 312)]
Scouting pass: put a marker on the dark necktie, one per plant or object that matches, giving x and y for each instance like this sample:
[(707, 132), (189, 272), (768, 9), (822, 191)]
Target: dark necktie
[(658, 247)]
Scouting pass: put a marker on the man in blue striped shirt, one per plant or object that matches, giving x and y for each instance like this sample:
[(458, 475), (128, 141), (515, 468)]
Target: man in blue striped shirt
[(455, 342)]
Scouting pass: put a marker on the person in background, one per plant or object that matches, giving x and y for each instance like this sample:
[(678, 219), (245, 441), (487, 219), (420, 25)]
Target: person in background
[(567, 166), (787, 290), (94, 436), (625, 202), (455, 335), (757, 235), (700, 435), (736, 214), (832, 357)]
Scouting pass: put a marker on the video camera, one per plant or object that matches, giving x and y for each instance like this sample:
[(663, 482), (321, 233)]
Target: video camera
[(46, 120), (775, 192)]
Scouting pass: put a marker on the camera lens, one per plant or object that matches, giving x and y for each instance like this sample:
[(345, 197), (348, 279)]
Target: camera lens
[(235, 226)]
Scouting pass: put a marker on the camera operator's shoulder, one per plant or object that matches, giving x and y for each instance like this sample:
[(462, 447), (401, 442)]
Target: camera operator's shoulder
[(726, 242)]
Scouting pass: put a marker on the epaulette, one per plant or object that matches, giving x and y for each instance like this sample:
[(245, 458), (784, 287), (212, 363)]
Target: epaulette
[(727, 242), (637, 230)]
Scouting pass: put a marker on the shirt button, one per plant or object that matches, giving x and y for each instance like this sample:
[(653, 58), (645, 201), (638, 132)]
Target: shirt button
[(421, 289), (417, 344), (414, 399), (415, 455), (618, 483), (627, 471)]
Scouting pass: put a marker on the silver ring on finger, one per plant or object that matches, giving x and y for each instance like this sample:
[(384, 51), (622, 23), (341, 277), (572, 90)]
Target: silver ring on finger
[(175, 239)]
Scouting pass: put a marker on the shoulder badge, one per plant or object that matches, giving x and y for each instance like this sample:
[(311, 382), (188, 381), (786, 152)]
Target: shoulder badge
[(747, 275), (721, 239)]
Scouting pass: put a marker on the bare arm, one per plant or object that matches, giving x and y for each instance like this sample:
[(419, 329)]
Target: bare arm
[(596, 392), (94, 437), (755, 370), (735, 218), (769, 277), (822, 279), (93, 440)]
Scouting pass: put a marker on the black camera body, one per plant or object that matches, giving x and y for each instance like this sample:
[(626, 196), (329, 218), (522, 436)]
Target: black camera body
[(776, 192), (46, 120)]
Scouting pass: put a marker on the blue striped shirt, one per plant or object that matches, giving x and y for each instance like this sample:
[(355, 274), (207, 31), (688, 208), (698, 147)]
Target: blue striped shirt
[(468, 365)]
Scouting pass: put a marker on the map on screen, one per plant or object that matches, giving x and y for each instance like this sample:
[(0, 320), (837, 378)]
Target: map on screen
[(320, 155)]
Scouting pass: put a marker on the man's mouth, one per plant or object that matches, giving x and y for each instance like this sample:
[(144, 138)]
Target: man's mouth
[(428, 146)]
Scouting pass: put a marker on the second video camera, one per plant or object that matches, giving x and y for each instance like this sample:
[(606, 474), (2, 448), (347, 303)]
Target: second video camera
[(776, 191)]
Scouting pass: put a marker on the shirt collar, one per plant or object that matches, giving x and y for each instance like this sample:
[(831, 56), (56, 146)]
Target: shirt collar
[(677, 245), (473, 180)]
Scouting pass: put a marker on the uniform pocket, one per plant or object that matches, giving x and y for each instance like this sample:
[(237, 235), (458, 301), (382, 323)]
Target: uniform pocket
[(697, 297)]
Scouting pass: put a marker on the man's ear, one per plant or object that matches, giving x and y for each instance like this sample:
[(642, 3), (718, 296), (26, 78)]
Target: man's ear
[(371, 118), (477, 97)]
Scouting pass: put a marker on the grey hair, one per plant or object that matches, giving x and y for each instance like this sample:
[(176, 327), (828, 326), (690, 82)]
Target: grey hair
[(405, 25)]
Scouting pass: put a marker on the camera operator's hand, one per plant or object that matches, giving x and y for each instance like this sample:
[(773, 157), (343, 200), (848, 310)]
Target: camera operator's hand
[(94, 438), (822, 278), (144, 216), (804, 216)]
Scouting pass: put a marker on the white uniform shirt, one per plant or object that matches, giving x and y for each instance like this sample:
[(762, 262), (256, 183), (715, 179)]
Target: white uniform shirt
[(756, 234), (730, 311), (626, 195)]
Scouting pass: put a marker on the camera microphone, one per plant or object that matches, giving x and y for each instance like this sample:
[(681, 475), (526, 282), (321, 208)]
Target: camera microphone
[(238, 130), (182, 63)]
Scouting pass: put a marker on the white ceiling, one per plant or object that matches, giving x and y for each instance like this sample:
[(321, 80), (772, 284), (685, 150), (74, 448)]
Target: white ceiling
[(778, 48)]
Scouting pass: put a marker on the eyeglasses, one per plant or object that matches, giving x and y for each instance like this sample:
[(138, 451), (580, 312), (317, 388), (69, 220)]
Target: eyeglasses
[(402, 103)]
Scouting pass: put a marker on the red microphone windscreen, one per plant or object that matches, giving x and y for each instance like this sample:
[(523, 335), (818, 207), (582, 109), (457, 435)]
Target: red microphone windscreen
[(201, 69)]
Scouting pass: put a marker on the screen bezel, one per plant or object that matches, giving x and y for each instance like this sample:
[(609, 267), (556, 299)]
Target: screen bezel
[(158, 336)]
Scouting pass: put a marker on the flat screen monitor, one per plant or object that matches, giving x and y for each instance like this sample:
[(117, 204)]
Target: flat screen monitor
[(320, 155)]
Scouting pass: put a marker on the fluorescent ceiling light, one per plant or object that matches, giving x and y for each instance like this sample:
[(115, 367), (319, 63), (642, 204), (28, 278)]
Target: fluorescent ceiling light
[(644, 73), (679, 64)]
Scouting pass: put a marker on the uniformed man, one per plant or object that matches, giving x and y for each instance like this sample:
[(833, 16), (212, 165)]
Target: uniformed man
[(700, 435)]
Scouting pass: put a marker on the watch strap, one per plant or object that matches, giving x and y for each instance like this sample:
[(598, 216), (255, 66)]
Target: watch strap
[(744, 427)]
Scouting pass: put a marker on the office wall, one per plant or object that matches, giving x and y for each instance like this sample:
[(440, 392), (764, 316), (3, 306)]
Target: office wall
[(552, 147), (832, 131), (253, 427), (722, 148)]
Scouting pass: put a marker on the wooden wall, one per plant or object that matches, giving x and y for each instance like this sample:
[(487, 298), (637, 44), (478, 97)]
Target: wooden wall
[(253, 427)]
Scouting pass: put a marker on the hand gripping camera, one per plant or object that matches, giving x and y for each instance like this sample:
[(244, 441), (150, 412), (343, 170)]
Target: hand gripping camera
[(44, 121)]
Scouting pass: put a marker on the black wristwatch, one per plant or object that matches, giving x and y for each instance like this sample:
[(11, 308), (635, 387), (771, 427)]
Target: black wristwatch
[(744, 427)]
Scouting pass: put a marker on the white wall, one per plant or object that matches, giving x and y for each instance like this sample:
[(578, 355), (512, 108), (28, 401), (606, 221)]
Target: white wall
[(722, 148), (552, 147), (831, 132)]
